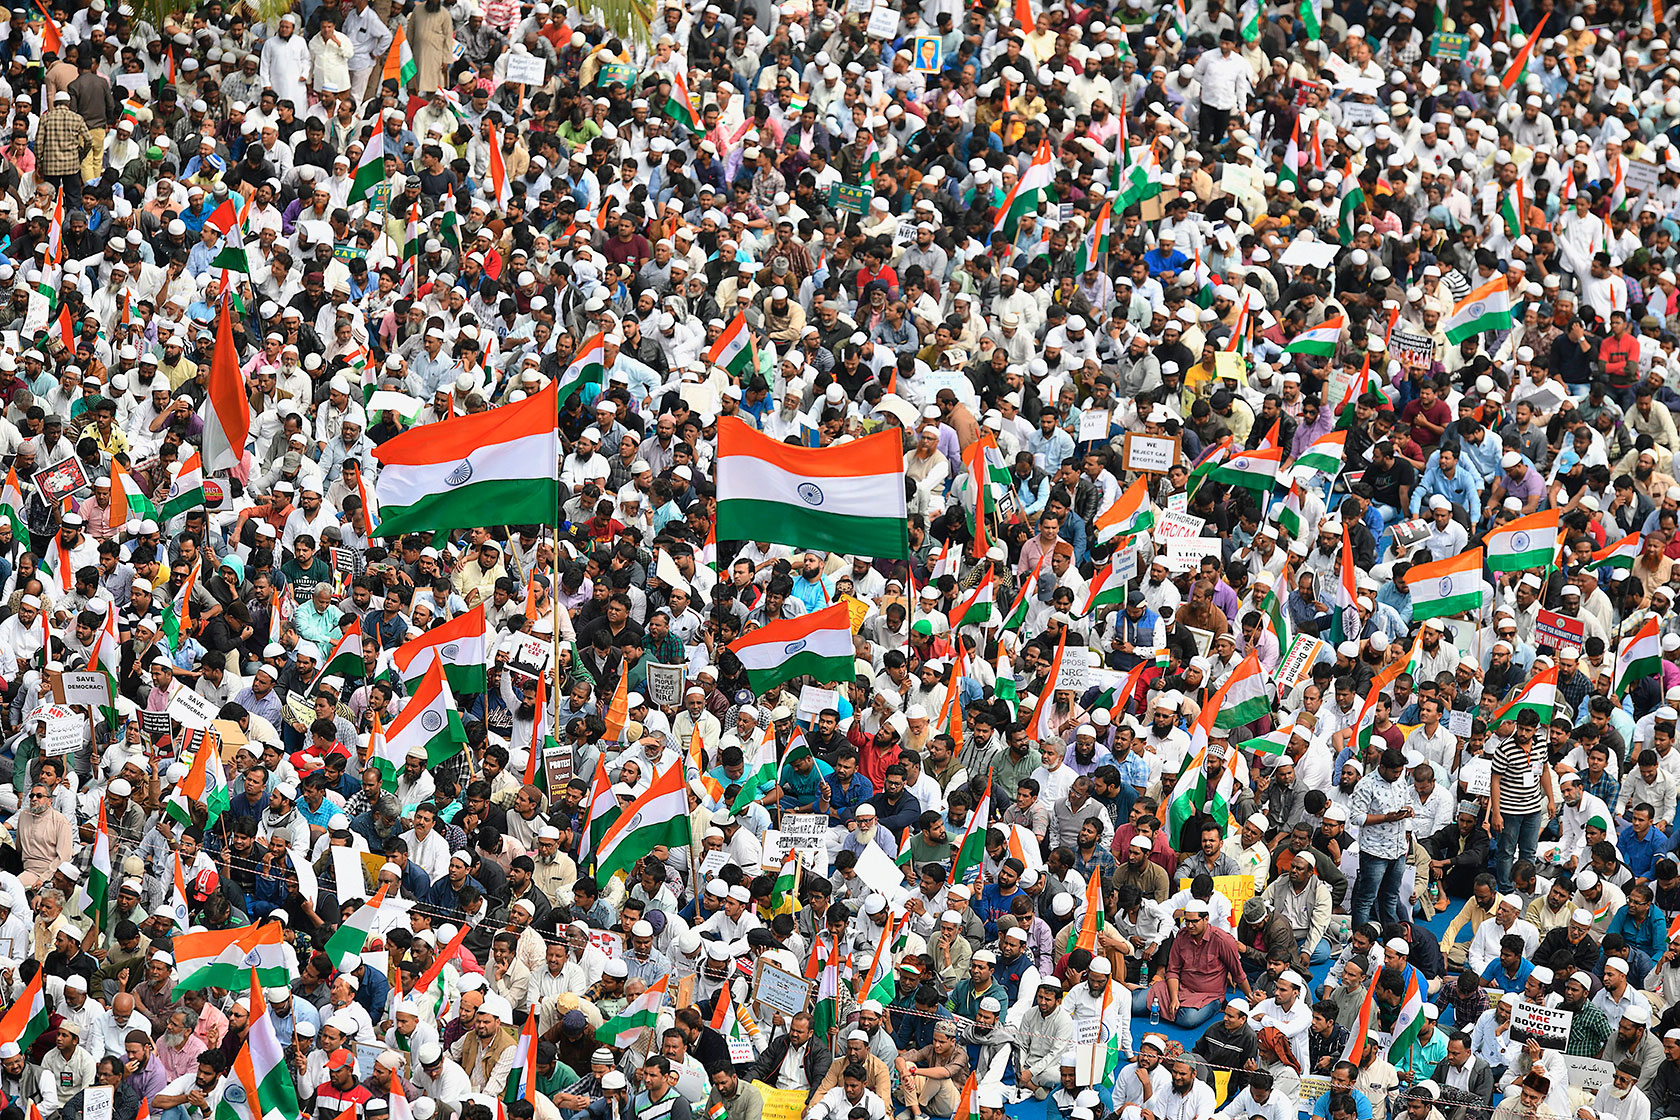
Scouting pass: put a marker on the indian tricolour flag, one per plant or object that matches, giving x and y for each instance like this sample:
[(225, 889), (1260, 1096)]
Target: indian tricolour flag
[(1290, 171), (1094, 245), (1252, 470), (1132, 512), (731, 350), (1319, 341), (429, 721), (1272, 742), (1410, 1020), (658, 818), (1538, 696), (187, 491), (1366, 723), (230, 958), (259, 1073), (1190, 794), (1028, 191), (1445, 587), (522, 1078), (370, 172), (679, 106), (978, 608), (1326, 454), (399, 60), (641, 1013), (759, 774), (1485, 308), (458, 643), (602, 810), (1140, 179), (446, 475), (128, 501), (346, 658), (818, 645), (588, 367), (1039, 721), (1618, 554), (205, 783), (972, 851), (1245, 695), (93, 894), (356, 931), (27, 1019), (844, 498), (1639, 657), (1108, 589), (1527, 542), (11, 505)]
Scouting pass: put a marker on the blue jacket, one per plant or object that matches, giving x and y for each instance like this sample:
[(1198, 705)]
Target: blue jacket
[(1651, 935)]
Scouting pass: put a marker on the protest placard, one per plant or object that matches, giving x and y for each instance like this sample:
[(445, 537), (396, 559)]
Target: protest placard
[(1549, 1026), (1149, 454), (780, 990), (1298, 662), (1173, 524), (1557, 630), (665, 684), (189, 709)]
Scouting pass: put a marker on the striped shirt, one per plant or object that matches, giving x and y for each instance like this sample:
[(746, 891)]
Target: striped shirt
[(1519, 776)]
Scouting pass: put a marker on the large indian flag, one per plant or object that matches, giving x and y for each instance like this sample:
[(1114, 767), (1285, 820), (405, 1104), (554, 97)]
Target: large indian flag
[(1538, 696), (230, 958), (641, 1013), (658, 818), (453, 474), (817, 645), (1245, 698), (1320, 341), (1326, 454), (1132, 512), (260, 1085), (458, 643), (429, 721), (844, 498), (1485, 308), (1527, 542), (1447, 586), (1639, 657)]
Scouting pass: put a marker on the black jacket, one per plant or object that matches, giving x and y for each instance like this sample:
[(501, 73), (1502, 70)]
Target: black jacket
[(769, 1064), (1479, 1091)]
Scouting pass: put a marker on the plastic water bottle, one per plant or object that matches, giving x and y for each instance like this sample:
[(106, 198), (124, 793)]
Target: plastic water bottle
[(1155, 1012)]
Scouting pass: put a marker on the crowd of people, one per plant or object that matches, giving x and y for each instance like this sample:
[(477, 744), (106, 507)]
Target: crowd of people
[(1271, 708)]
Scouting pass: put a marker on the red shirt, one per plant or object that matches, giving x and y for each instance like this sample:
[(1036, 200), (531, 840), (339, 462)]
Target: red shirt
[(1621, 359)]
